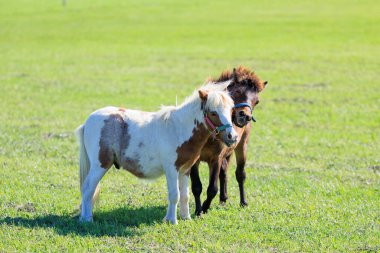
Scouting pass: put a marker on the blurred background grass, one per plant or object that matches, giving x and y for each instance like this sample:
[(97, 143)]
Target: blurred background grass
[(313, 161)]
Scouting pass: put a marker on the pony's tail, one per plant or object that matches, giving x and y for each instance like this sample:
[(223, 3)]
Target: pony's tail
[(84, 163)]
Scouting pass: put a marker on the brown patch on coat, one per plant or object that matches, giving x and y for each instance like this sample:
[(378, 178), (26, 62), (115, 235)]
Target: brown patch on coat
[(121, 109), (189, 151), (114, 138), (241, 74)]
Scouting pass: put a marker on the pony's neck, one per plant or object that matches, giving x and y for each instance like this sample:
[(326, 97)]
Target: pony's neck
[(190, 112), (189, 122), (193, 134)]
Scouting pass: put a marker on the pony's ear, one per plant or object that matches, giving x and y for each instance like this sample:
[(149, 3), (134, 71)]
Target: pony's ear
[(203, 95), (224, 86), (265, 83), (234, 75)]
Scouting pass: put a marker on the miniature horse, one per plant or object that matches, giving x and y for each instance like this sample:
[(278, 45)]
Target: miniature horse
[(150, 144), (244, 90)]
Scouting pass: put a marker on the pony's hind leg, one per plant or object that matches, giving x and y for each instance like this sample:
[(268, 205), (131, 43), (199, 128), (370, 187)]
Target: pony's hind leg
[(172, 183), (184, 196), (88, 189)]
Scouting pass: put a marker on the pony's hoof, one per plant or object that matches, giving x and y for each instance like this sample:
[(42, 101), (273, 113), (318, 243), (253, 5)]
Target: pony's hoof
[(198, 213), (186, 217), (223, 203), (86, 219), (171, 221), (243, 204), (205, 210), (223, 199)]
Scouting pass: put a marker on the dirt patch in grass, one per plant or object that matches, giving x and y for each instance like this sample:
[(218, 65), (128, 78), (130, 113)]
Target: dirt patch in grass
[(28, 207)]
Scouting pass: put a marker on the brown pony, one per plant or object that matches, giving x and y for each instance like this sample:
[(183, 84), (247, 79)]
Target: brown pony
[(244, 90)]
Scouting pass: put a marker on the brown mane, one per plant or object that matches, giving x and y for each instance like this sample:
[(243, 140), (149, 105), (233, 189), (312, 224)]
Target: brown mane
[(242, 73)]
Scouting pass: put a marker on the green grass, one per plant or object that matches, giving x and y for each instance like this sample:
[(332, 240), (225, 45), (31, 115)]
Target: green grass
[(313, 163)]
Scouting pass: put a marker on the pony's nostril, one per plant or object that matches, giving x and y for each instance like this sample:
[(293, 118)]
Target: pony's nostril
[(248, 118), (229, 136), (241, 113)]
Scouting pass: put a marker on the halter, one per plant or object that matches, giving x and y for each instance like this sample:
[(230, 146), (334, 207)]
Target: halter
[(216, 130), (245, 105)]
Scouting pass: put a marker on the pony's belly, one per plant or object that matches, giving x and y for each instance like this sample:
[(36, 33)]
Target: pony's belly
[(154, 173), (141, 169), (152, 168)]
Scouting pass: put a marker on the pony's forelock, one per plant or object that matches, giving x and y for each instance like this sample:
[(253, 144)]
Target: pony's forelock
[(242, 73), (217, 100)]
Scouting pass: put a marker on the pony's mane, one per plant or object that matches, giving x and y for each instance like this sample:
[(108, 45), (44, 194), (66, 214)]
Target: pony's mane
[(242, 73), (165, 112), (222, 86), (216, 98)]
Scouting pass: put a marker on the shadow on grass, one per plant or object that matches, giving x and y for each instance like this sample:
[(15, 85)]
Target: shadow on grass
[(123, 222)]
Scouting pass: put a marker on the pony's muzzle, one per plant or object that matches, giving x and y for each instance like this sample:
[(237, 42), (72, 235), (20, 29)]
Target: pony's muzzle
[(242, 116), (245, 116), (230, 137)]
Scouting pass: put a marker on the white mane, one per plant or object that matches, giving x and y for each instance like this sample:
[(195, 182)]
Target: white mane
[(217, 98), (165, 112), (212, 86)]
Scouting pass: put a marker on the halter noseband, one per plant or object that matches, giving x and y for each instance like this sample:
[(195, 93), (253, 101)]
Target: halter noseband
[(245, 105)]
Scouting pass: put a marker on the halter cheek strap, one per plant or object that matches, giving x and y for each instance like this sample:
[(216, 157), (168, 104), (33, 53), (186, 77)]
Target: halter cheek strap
[(245, 105), (218, 129)]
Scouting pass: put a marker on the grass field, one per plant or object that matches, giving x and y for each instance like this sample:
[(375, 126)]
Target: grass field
[(313, 163)]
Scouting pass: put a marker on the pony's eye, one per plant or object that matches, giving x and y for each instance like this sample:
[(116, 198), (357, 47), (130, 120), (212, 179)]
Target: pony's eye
[(213, 113)]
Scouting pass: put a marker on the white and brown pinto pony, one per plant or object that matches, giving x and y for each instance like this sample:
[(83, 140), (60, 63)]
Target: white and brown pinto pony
[(150, 144)]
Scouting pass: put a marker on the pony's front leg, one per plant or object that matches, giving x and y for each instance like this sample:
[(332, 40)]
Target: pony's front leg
[(241, 155), (223, 180), (173, 193), (184, 196), (212, 189)]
